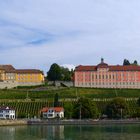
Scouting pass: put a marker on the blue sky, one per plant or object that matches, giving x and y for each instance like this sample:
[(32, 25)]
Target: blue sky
[(37, 33)]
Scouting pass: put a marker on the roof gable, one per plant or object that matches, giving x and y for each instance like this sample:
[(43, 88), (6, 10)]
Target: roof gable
[(111, 68), (56, 109)]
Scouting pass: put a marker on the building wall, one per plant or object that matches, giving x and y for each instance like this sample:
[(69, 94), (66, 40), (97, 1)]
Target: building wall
[(7, 114), (50, 115), (8, 84), (103, 78), (29, 78), (10, 77)]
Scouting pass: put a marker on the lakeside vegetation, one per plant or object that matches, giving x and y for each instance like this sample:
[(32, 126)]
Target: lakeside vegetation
[(28, 108), (29, 101)]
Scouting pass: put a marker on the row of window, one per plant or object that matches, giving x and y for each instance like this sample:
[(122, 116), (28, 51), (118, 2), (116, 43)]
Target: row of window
[(123, 83), (7, 111), (107, 77), (24, 78)]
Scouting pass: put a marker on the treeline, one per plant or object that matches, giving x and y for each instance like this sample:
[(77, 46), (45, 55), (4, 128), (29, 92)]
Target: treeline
[(126, 62), (85, 108), (59, 73)]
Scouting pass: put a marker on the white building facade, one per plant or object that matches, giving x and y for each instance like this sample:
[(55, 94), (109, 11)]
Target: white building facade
[(7, 113), (53, 112)]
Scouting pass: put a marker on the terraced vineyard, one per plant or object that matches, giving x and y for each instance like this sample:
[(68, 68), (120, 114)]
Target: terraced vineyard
[(26, 108), (30, 109), (68, 93), (29, 101)]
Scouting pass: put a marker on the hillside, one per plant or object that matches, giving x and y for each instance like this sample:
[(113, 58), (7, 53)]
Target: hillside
[(64, 93), (29, 101)]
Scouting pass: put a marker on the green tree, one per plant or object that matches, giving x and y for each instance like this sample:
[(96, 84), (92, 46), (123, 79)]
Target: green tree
[(85, 108), (117, 108), (68, 107), (54, 73), (126, 62), (57, 72), (138, 102), (65, 74), (56, 100), (135, 63)]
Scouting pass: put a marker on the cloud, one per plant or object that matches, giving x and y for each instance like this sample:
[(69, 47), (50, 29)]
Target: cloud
[(38, 33), (69, 66)]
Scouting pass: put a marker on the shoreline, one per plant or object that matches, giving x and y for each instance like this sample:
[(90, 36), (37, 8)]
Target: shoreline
[(13, 122), (82, 122), (66, 122)]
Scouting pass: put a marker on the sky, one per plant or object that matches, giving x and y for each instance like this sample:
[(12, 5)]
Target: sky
[(38, 33)]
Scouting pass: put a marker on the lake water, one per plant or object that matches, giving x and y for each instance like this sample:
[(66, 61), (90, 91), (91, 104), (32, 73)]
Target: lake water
[(70, 132)]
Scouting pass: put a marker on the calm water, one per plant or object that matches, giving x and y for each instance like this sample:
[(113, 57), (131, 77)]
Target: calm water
[(118, 132)]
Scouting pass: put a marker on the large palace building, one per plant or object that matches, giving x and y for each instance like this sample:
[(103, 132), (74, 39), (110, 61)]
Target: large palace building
[(11, 77), (107, 76)]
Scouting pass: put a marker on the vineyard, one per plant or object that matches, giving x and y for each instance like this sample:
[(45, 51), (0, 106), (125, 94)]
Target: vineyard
[(25, 109), (29, 101), (68, 93)]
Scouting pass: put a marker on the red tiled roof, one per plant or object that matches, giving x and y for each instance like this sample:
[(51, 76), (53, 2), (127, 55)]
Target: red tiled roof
[(6, 108), (111, 68), (28, 71), (7, 67), (102, 65), (56, 109)]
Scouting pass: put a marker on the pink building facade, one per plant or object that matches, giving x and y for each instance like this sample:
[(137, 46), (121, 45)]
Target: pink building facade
[(107, 76)]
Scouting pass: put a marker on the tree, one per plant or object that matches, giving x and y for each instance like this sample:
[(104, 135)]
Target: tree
[(54, 73), (56, 100), (85, 108), (68, 107), (117, 108), (59, 73), (135, 63), (138, 102), (65, 74), (126, 62)]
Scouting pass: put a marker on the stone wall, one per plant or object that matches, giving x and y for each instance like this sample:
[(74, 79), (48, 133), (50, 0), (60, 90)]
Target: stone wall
[(12, 122), (8, 85), (12, 84)]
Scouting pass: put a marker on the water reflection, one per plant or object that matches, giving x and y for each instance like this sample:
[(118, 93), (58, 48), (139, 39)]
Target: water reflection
[(70, 132)]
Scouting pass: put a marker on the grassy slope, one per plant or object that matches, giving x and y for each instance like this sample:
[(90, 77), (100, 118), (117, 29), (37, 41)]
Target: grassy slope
[(33, 107), (69, 93)]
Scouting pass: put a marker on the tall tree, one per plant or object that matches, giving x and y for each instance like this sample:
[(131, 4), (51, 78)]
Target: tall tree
[(126, 62), (85, 108), (57, 72), (138, 102), (66, 74), (54, 73), (69, 107), (56, 100), (117, 108), (135, 63)]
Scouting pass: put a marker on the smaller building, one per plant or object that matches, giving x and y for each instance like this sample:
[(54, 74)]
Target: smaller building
[(52, 112), (7, 113)]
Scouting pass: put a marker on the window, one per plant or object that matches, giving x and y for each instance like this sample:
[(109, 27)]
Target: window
[(7, 111), (50, 115), (113, 77), (7, 116), (106, 76)]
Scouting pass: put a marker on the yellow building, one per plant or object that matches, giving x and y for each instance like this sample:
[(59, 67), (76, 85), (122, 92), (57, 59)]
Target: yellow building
[(20, 77), (30, 76)]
